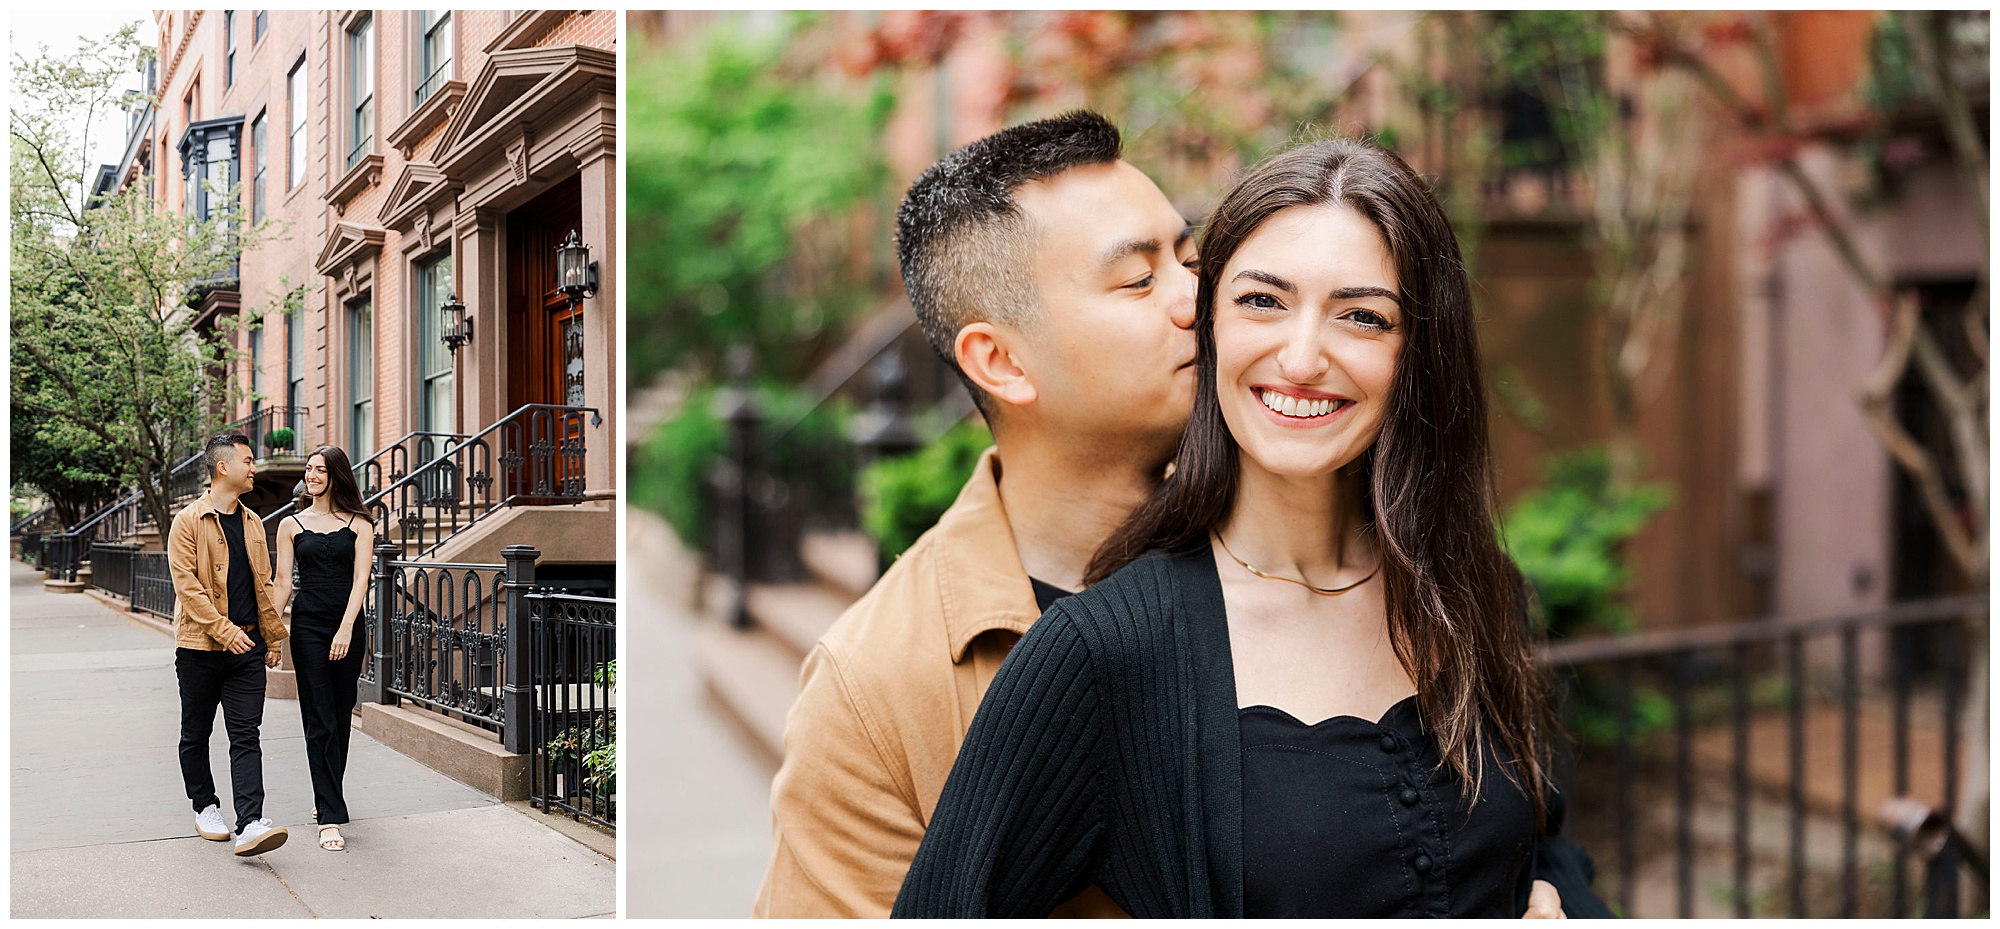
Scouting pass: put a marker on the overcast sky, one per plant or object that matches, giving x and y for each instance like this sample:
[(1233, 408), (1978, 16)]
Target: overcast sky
[(61, 31)]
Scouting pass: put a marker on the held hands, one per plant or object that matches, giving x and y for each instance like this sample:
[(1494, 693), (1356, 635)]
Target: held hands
[(341, 638), (1544, 902), (272, 658)]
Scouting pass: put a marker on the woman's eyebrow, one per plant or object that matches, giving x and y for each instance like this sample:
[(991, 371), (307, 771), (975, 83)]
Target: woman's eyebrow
[(1267, 278), (1353, 293)]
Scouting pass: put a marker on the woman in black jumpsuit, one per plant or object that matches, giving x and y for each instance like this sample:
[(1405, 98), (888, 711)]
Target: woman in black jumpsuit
[(330, 541)]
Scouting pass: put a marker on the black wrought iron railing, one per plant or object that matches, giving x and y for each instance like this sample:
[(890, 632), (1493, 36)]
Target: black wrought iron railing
[(436, 632), (1745, 769), (188, 478), (31, 548), (42, 519), (111, 567), (573, 725), (389, 464), (454, 638), (783, 472), (535, 455), (65, 553), (152, 585), (276, 431)]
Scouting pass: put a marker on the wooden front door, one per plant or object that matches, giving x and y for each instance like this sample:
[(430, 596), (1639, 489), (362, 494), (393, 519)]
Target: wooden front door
[(544, 337)]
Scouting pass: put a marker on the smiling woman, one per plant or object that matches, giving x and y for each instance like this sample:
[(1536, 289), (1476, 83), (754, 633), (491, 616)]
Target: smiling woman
[(1338, 439)]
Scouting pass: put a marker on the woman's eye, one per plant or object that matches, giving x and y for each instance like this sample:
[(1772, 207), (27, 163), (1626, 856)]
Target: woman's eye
[(1370, 319), (1259, 301)]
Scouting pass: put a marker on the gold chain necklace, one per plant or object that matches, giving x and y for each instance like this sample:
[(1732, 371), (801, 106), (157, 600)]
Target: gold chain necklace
[(1247, 566)]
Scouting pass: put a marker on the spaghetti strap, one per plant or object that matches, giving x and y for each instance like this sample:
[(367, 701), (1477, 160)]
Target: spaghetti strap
[(350, 520)]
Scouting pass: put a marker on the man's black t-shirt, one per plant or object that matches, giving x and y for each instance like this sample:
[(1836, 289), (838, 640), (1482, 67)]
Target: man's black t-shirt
[(242, 583), (1046, 594)]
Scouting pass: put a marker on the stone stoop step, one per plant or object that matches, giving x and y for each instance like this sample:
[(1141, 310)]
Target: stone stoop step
[(754, 678), (466, 754), (754, 674), (797, 614), (844, 561)]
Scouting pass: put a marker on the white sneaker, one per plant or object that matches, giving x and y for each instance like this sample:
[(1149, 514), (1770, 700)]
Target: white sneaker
[(259, 837), (209, 825)]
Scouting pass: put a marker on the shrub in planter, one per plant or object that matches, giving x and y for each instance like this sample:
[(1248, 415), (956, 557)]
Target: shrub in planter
[(280, 439)]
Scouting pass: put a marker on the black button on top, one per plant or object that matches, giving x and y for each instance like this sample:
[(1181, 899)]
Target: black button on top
[(1422, 864), (1408, 796), (1388, 744)]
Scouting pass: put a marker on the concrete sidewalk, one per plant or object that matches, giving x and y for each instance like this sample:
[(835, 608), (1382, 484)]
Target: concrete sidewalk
[(697, 813), (101, 826)]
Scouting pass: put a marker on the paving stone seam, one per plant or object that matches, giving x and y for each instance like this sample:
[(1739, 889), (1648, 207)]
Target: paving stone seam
[(288, 887)]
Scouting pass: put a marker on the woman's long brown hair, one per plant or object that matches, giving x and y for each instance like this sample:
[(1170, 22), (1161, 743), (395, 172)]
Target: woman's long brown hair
[(343, 492), (1453, 597)]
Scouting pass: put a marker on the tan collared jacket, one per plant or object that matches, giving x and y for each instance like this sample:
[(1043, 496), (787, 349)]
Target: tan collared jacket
[(198, 560), (884, 702)]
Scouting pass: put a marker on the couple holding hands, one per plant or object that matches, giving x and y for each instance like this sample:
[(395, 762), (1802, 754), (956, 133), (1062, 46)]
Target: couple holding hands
[(1222, 625), (227, 631)]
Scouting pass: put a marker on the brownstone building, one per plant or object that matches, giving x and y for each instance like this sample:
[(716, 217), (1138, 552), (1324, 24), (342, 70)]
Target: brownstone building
[(408, 164)]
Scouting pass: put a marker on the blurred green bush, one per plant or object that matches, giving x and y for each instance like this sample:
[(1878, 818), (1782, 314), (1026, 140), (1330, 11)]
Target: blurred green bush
[(1568, 537), (804, 448), (903, 497)]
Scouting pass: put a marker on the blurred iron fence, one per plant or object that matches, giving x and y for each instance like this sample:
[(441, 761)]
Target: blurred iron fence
[(152, 586), (111, 567), (1704, 715)]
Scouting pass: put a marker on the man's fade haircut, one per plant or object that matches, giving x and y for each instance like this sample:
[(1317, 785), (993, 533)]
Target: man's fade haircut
[(962, 241), (222, 448)]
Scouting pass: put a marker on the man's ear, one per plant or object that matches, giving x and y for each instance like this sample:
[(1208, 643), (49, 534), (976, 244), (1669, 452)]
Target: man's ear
[(989, 356)]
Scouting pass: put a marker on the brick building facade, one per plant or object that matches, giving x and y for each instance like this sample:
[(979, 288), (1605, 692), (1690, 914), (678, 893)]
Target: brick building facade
[(402, 159)]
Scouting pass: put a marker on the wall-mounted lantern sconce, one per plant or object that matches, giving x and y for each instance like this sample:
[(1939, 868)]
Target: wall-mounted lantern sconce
[(454, 327), (576, 274)]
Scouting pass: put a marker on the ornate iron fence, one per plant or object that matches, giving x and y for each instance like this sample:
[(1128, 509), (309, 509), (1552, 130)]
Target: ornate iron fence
[(1698, 719), (111, 567), (152, 587), (437, 634), (573, 725), (533, 456)]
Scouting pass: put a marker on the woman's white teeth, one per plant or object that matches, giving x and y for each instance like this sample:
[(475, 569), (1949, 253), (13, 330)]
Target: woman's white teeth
[(1288, 405)]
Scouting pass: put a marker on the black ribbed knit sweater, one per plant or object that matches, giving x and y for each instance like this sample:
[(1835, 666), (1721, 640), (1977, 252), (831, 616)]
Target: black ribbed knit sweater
[(1107, 751)]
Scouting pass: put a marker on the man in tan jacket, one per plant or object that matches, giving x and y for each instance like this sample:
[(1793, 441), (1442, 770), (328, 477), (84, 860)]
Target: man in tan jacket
[(1057, 280), (226, 632)]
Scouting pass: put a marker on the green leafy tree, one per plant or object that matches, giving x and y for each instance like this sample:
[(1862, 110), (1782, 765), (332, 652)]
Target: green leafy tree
[(746, 166), (104, 354), (74, 478)]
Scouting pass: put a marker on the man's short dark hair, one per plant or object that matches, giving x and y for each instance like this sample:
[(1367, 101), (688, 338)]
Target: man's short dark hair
[(962, 240), (222, 448)]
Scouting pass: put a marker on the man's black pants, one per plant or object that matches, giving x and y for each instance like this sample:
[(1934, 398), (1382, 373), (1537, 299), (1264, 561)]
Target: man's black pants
[(236, 683)]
